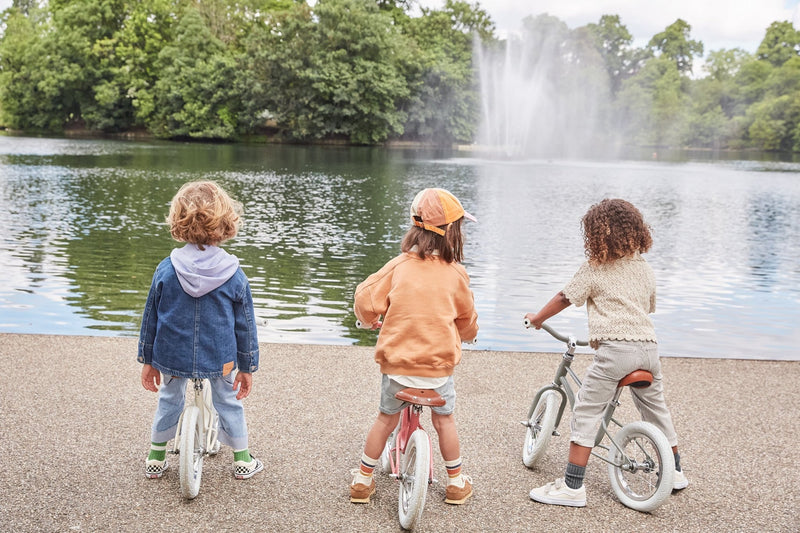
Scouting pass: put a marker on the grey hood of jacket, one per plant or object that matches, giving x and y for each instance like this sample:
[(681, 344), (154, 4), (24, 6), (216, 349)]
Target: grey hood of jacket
[(201, 271)]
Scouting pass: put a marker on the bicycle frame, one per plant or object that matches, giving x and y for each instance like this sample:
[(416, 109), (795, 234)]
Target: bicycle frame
[(203, 401), (562, 386), (409, 422)]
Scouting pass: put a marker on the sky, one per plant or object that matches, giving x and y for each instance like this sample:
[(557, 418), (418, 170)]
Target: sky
[(717, 23)]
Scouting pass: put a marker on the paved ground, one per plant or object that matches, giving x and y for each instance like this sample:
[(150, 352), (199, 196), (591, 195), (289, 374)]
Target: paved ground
[(76, 424)]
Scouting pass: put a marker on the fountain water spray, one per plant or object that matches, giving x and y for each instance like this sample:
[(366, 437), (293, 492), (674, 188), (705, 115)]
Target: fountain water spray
[(543, 95)]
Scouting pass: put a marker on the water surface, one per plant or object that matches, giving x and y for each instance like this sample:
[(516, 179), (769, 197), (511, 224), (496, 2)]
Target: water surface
[(84, 230)]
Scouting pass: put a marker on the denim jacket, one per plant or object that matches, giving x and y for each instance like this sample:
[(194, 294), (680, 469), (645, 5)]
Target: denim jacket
[(201, 337)]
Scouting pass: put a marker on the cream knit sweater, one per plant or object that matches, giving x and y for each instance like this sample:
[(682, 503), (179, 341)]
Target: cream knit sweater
[(618, 296)]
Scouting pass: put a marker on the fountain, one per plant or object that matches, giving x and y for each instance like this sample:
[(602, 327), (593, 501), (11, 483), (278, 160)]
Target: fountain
[(544, 94)]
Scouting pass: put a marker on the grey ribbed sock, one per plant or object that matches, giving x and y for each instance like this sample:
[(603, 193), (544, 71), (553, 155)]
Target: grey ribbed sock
[(573, 477), (677, 461)]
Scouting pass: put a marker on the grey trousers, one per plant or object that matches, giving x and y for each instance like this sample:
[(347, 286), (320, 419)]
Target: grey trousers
[(613, 360)]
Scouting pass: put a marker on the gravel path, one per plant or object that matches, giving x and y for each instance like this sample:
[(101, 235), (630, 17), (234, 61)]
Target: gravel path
[(76, 427)]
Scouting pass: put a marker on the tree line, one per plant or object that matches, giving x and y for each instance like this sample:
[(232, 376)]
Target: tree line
[(369, 71)]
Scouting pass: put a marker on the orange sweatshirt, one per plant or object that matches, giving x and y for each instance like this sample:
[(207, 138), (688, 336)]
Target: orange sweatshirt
[(427, 308)]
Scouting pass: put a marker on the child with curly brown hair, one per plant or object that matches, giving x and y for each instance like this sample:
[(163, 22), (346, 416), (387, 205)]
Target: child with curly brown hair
[(199, 322), (618, 287)]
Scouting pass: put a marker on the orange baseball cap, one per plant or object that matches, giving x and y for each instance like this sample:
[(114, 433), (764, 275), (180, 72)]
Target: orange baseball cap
[(432, 208)]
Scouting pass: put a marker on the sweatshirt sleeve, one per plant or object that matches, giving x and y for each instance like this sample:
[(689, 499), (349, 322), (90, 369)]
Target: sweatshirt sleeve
[(371, 297), (467, 316)]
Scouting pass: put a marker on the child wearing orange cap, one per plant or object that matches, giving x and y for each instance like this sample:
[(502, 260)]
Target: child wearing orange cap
[(427, 310)]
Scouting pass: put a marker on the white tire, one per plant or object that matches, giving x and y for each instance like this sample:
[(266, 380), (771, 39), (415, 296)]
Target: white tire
[(541, 423), (191, 452), (414, 470), (644, 481)]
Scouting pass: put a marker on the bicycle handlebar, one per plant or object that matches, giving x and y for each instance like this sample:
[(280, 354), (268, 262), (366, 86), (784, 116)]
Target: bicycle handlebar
[(557, 335)]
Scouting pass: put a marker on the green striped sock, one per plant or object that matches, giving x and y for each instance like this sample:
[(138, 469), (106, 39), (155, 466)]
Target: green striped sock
[(158, 451), (242, 455)]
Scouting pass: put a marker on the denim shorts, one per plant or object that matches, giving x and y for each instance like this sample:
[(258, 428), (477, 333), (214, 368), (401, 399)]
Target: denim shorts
[(391, 405)]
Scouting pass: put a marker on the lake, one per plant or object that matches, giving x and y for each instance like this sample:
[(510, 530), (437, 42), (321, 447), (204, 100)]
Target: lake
[(84, 230)]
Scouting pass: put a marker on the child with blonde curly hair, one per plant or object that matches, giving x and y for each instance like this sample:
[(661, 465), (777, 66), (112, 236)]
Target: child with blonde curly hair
[(199, 322), (618, 287)]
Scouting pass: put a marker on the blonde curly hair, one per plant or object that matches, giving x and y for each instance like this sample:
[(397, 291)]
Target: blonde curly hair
[(202, 213), (614, 228)]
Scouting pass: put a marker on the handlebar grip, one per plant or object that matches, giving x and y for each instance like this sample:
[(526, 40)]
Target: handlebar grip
[(557, 335)]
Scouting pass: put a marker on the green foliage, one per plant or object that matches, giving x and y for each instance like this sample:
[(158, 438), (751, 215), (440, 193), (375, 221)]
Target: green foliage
[(339, 75), (674, 43), (613, 41), (193, 95), (781, 43), (369, 71), (652, 104), (443, 106)]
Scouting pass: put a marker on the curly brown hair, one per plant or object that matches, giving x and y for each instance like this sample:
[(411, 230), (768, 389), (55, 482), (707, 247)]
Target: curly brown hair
[(203, 213), (449, 247), (612, 229)]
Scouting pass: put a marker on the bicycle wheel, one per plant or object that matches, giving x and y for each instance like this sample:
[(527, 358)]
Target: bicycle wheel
[(540, 428), (642, 478), (414, 469), (191, 452)]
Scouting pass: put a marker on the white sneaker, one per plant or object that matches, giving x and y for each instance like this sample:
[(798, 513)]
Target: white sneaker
[(680, 481), (244, 470), (557, 493)]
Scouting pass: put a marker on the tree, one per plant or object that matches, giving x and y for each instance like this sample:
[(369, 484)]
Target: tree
[(613, 40), (443, 106), (196, 93), (651, 106), (50, 70), (781, 42), (774, 120), (336, 71), (674, 44)]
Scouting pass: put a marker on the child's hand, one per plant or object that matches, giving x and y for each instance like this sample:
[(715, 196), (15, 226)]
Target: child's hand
[(243, 382), (151, 378), (531, 319)]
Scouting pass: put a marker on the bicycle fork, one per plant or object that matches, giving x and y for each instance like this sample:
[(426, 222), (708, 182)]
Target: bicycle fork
[(409, 422)]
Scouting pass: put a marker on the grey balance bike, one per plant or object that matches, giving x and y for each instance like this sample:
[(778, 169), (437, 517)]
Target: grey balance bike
[(641, 465)]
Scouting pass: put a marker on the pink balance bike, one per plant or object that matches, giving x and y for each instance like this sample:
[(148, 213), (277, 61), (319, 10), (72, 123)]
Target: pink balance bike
[(408, 454)]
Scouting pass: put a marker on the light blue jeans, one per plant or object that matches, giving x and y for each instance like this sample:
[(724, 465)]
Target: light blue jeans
[(171, 401)]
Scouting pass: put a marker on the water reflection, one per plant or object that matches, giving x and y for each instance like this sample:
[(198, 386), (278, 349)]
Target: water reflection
[(84, 232)]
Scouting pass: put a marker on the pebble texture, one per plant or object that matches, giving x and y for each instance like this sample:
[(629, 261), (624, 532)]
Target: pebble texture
[(76, 425)]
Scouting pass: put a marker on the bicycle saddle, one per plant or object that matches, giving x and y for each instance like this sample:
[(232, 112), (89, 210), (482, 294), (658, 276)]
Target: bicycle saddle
[(637, 378), (427, 397)]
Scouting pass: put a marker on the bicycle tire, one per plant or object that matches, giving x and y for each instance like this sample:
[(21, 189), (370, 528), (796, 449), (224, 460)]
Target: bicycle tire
[(646, 486), (191, 452), (414, 470), (541, 424)]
